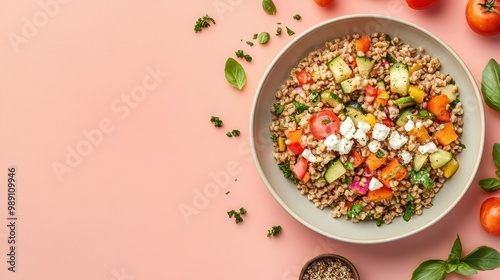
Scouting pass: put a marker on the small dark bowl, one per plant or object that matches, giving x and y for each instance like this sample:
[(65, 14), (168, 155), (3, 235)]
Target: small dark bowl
[(326, 257)]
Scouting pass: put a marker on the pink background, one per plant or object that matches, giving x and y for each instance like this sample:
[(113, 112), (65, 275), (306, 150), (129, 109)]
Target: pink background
[(67, 73)]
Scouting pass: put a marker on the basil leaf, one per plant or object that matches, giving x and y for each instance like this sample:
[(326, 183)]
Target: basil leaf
[(483, 258), (430, 270), (465, 269), (422, 177), (456, 251), (355, 210), (490, 85), (269, 7), (263, 38), (496, 154), (235, 74), (489, 184), (451, 267), (409, 211)]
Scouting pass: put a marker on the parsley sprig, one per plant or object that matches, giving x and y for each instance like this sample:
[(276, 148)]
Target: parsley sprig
[(216, 121), (237, 215), (203, 22), (275, 230)]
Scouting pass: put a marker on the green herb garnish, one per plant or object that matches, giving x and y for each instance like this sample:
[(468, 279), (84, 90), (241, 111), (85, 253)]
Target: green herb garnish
[(232, 133), (480, 259), (263, 38), (241, 54), (490, 85), (287, 172), (355, 210), (299, 107), (349, 166), (203, 22), (380, 154), (275, 230), (250, 43), (269, 7), (289, 31), (278, 31), (216, 121), (422, 177), (235, 74), (493, 184), (237, 215), (297, 17), (278, 109)]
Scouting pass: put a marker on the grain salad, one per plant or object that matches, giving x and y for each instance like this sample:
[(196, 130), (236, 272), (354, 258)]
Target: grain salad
[(368, 127)]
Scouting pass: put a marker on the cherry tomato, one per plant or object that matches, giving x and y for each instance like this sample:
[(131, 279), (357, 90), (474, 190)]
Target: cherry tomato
[(300, 168), (490, 215), (323, 3), (371, 91), (483, 16), (420, 4), (296, 148), (304, 77), (323, 124), (362, 44)]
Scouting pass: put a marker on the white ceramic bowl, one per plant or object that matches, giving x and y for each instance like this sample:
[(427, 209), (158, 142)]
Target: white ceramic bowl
[(285, 192)]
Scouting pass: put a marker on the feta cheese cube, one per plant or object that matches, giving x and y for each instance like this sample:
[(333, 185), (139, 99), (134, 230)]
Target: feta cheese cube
[(409, 125), (347, 128), (406, 157), (396, 141), (364, 126), (418, 124), (380, 132), (307, 154), (427, 148), (345, 146), (374, 184), (374, 146), (332, 143), (361, 137)]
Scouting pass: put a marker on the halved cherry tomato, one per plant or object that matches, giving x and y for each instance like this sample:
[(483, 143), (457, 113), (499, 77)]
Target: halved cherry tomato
[(362, 44), (387, 122), (483, 16), (490, 215), (323, 124), (300, 168), (323, 3), (304, 77), (371, 90), (420, 4)]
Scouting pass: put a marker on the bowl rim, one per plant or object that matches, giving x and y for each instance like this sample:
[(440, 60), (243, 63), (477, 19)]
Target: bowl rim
[(343, 259), (375, 17)]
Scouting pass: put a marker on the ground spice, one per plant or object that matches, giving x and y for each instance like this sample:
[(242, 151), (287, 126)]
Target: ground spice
[(328, 269)]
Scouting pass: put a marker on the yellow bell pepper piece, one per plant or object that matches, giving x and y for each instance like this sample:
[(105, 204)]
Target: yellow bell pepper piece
[(281, 144), (415, 67), (370, 119), (417, 94), (450, 168)]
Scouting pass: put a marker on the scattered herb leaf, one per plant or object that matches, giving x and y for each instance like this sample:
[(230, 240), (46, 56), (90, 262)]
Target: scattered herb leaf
[(299, 107), (422, 177), (203, 22), (490, 85), (237, 215), (355, 210), (278, 31), (263, 38), (250, 43), (275, 230), (490, 184), (380, 154), (297, 17), (216, 121), (241, 54), (235, 74), (269, 7), (289, 31)]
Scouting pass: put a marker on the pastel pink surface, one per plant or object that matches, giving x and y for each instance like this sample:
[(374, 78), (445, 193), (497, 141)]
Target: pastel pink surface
[(148, 200)]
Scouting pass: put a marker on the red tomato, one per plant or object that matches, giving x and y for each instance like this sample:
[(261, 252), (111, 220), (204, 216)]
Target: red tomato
[(323, 3), (362, 44), (323, 124), (490, 215), (371, 91), (304, 77), (420, 4), (300, 168), (387, 122), (296, 148), (483, 16)]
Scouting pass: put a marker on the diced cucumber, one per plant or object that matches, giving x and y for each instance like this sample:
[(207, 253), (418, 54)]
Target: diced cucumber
[(448, 91), (381, 84), (349, 85), (402, 118), (314, 97), (400, 78), (331, 98), (404, 102), (439, 158), (341, 71), (334, 170), (365, 65), (419, 161), (424, 114), (355, 111)]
